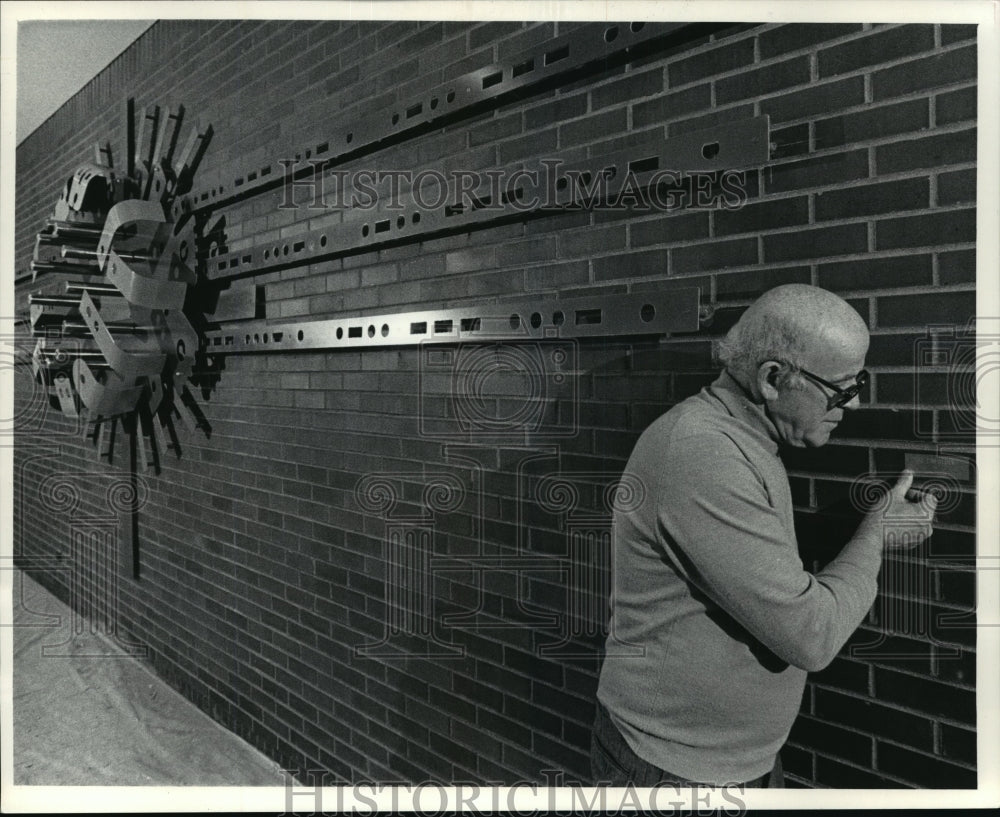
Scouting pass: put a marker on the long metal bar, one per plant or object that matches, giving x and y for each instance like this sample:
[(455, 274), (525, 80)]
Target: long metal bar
[(591, 47), (523, 319), (94, 288), (65, 268), (538, 188)]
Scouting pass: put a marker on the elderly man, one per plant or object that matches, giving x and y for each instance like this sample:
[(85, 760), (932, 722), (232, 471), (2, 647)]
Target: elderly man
[(715, 622)]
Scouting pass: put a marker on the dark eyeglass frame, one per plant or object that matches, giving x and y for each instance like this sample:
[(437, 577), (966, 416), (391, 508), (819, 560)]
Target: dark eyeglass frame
[(842, 396)]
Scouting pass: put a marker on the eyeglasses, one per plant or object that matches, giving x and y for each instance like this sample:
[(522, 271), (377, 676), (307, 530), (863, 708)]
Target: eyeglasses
[(842, 396)]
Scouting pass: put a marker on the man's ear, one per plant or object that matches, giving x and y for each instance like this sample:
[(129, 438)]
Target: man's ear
[(767, 379)]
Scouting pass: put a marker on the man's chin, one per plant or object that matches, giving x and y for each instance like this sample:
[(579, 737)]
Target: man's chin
[(821, 436)]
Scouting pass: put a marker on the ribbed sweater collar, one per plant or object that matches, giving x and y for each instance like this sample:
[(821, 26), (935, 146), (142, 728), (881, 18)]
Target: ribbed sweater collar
[(739, 404)]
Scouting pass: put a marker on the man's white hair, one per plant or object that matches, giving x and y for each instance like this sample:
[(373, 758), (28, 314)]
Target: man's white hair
[(783, 325)]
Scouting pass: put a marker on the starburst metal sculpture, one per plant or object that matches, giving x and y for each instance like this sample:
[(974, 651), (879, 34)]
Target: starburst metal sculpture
[(116, 344)]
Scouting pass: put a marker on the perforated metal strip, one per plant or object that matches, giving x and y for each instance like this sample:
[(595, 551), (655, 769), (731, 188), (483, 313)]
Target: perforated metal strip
[(591, 47), (739, 144), (523, 319)]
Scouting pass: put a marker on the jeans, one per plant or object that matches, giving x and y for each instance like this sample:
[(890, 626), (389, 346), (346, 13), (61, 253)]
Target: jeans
[(613, 763)]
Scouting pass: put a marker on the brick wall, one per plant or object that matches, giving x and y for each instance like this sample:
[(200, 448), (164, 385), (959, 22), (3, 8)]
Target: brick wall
[(264, 593)]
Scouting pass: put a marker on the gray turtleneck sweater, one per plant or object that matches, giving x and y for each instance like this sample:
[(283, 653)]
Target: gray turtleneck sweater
[(715, 621)]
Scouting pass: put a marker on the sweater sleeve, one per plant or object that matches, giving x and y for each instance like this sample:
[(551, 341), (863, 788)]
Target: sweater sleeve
[(726, 536)]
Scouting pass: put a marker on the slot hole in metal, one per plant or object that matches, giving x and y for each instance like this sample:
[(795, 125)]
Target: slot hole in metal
[(557, 54), (524, 67)]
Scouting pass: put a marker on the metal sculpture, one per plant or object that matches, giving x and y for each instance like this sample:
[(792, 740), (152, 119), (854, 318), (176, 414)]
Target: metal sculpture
[(118, 342)]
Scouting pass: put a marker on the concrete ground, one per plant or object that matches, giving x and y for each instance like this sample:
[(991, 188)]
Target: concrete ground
[(87, 714)]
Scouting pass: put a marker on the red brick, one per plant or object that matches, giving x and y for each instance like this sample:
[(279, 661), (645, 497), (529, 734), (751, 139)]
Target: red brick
[(877, 273), (496, 129), (843, 239), (875, 48), (526, 43), (796, 763), (959, 426), (924, 770), (669, 229), (883, 424), (929, 72), (533, 145), (930, 151), (715, 255), (467, 260), (956, 106), (873, 199), (948, 227), (835, 774), (672, 105), (957, 267), (738, 286), (830, 459), (930, 697), (761, 81), (526, 252), (592, 128), (958, 744), (817, 171), (956, 545), (641, 84), (487, 33), (757, 217), (958, 586), (954, 33), (631, 265), (843, 674), (719, 60), (816, 99), (814, 733), (795, 36), (957, 187), (553, 276), (592, 241), (719, 118), (560, 109)]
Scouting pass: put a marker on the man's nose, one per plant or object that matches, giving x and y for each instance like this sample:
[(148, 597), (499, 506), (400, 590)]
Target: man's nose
[(853, 403)]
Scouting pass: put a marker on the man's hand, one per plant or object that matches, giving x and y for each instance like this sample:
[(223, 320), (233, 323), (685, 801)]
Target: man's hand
[(904, 521)]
